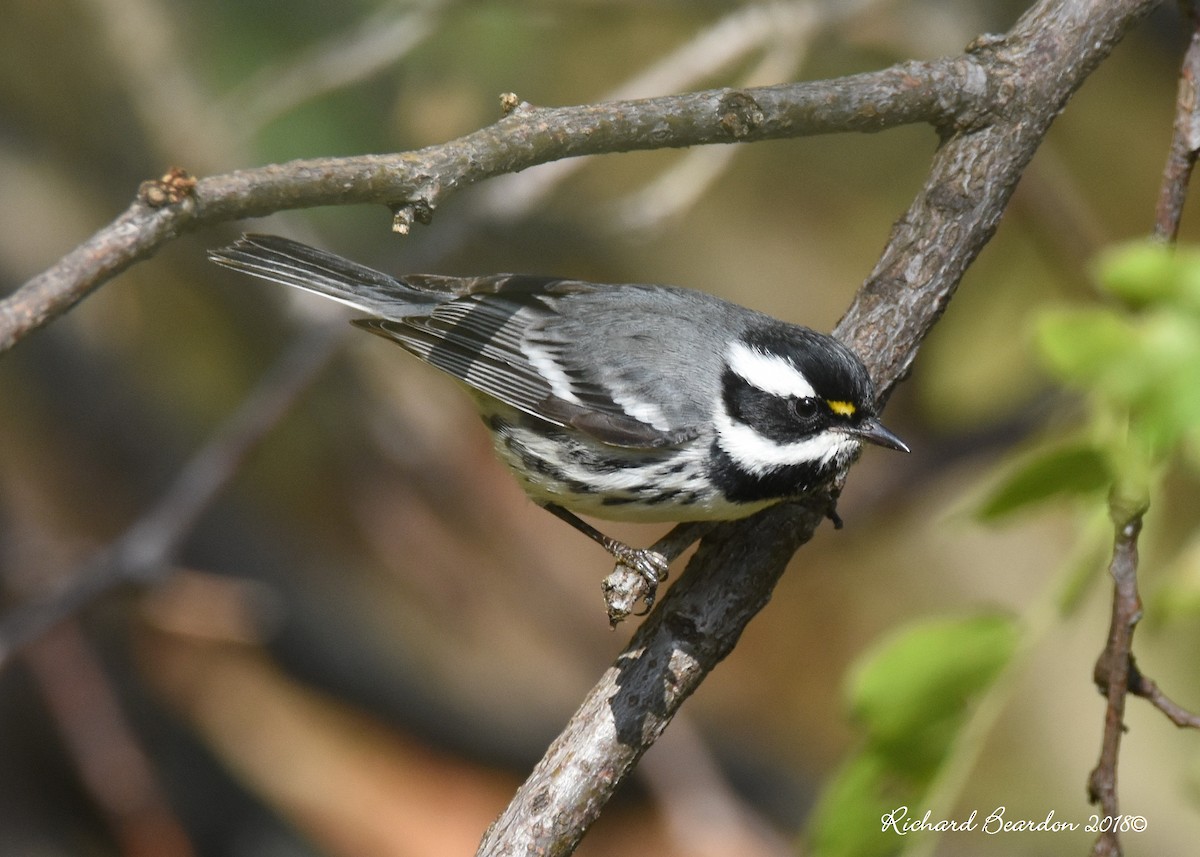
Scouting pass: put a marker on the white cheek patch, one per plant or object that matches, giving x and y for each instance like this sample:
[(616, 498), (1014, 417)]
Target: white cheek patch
[(758, 455), (769, 373)]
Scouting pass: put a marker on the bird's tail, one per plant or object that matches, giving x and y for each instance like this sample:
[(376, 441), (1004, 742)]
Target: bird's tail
[(282, 260)]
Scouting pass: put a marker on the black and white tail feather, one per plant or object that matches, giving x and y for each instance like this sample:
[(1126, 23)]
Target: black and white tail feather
[(627, 402)]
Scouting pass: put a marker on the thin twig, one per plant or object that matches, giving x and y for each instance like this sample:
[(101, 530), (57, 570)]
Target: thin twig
[(1116, 672), (1148, 689), (1112, 675), (143, 552), (627, 590), (1185, 142)]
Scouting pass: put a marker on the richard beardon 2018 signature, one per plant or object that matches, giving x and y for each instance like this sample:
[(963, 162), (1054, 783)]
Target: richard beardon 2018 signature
[(903, 822)]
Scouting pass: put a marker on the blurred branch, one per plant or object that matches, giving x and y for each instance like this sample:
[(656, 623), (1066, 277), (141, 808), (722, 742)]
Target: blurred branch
[(1028, 76), (785, 29), (415, 183), (112, 765), (684, 183), (144, 551), (148, 54), (702, 812), (369, 47), (1060, 218)]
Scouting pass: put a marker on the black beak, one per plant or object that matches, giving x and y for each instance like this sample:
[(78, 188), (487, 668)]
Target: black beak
[(872, 430)]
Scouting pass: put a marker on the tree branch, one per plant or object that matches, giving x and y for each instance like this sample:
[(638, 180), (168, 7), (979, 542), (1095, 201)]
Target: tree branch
[(1028, 76), (415, 183)]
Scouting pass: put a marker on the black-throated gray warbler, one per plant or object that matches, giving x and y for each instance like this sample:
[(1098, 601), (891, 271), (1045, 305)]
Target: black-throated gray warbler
[(626, 402)]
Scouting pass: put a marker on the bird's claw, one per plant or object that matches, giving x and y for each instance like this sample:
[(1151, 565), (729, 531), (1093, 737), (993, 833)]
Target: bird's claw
[(634, 581), (651, 565)]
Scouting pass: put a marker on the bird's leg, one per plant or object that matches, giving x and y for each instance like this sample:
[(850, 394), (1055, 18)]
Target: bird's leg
[(651, 565), (831, 511), (625, 589)]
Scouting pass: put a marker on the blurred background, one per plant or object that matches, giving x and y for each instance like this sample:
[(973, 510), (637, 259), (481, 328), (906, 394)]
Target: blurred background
[(367, 640)]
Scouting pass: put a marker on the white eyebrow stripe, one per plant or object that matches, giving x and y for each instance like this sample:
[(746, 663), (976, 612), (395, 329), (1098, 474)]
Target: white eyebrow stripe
[(769, 373)]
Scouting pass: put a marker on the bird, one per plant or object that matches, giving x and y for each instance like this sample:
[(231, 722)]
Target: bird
[(626, 402)]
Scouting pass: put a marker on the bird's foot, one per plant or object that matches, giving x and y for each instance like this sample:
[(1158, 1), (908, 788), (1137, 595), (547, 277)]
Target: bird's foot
[(633, 582)]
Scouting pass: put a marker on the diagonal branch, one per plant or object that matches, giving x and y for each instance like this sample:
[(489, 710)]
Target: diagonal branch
[(1030, 74)]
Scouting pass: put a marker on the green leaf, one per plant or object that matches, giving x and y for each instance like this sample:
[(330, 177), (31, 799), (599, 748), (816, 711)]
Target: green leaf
[(1151, 273), (1144, 370), (1081, 346), (1167, 405), (910, 692), (846, 821), (1071, 470), (1140, 272), (909, 695)]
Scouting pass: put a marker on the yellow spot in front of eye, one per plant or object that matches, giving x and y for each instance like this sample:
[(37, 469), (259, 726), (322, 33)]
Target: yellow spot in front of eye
[(845, 409)]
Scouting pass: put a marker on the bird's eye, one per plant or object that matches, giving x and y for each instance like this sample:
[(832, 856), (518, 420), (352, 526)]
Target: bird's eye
[(804, 409)]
